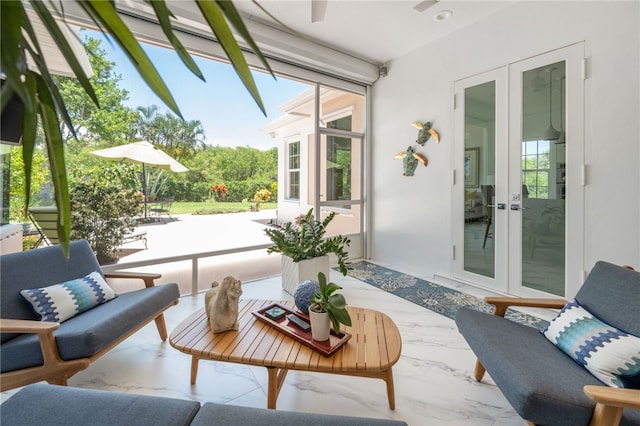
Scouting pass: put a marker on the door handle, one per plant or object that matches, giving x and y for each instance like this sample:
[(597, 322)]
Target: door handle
[(517, 207), (499, 206)]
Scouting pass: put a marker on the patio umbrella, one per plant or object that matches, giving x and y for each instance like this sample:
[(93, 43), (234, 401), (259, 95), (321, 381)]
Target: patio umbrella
[(142, 153)]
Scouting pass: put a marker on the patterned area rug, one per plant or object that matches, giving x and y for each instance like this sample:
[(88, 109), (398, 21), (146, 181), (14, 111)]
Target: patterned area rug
[(439, 299)]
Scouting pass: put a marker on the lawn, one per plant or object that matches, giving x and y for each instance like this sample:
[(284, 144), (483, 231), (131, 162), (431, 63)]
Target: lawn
[(214, 207)]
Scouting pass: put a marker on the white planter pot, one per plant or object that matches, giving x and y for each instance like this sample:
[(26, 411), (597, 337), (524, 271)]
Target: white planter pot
[(320, 325), (294, 273)]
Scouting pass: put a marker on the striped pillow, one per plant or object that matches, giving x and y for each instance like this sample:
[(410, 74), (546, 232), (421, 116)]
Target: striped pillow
[(611, 355), (59, 302)]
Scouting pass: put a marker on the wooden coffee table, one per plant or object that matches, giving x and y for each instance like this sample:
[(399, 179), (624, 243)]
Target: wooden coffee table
[(371, 352)]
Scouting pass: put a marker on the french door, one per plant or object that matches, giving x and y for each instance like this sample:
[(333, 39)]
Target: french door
[(518, 183)]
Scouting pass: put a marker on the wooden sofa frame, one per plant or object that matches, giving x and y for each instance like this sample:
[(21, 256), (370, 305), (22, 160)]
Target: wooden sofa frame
[(55, 369)]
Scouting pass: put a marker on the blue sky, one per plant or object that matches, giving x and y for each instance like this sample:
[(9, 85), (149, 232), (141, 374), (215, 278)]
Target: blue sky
[(228, 113)]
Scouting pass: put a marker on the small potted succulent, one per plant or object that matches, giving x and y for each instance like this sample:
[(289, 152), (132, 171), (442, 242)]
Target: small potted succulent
[(328, 309)]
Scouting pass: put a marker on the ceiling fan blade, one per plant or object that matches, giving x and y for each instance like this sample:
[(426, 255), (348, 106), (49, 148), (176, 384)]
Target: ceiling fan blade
[(424, 5), (318, 9)]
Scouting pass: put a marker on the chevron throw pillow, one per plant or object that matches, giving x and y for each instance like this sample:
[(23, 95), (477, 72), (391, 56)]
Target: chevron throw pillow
[(611, 355), (59, 302)]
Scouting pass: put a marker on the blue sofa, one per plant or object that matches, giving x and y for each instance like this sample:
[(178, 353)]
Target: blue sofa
[(32, 350), (543, 384), (57, 405)]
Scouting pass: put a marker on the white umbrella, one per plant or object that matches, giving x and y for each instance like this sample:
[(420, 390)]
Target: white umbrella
[(142, 153)]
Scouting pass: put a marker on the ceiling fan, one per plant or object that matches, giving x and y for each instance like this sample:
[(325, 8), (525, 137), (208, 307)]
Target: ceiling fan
[(318, 9), (424, 5)]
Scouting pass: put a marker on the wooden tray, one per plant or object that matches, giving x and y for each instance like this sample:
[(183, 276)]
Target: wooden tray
[(326, 348)]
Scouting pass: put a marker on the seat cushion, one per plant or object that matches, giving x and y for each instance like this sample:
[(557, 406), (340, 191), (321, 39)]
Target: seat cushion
[(90, 332), (39, 268), (59, 302), (541, 383), (59, 405), (229, 415)]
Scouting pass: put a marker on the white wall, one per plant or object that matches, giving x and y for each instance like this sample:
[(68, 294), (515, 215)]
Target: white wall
[(411, 226)]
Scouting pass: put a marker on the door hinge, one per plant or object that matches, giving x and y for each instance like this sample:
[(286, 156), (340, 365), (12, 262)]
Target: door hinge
[(454, 101), (584, 69), (453, 252), (453, 176), (583, 175)]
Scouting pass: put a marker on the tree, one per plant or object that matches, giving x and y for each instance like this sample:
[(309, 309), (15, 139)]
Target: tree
[(179, 138), (110, 123), (36, 93)]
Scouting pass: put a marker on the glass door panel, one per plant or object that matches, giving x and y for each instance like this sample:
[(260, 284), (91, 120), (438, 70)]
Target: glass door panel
[(543, 165), (479, 178), (340, 176), (339, 144)]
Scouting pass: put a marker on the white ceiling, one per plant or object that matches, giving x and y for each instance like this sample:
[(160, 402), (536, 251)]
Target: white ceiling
[(373, 30)]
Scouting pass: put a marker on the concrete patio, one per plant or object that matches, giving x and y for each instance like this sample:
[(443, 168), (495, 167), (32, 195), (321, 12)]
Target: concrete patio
[(188, 235)]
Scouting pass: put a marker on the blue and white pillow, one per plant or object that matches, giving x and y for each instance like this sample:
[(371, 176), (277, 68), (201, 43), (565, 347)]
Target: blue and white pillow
[(611, 355), (59, 302)]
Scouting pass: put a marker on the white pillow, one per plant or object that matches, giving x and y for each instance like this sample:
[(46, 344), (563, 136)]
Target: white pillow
[(611, 355), (60, 302)]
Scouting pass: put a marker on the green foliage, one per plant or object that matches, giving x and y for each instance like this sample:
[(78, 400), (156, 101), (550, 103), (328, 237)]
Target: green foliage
[(36, 90), (95, 126), (18, 182), (103, 214), (304, 239), (214, 207), (334, 304)]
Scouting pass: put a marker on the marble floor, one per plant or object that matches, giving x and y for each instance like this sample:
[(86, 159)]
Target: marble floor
[(433, 378)]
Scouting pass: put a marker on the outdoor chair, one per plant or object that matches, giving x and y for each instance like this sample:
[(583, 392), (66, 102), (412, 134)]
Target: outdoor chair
[(558, 377), (163, 208), (45, 220)]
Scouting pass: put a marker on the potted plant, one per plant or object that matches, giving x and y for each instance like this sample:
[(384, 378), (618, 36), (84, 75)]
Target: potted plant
[(305, 250), (327, 309)]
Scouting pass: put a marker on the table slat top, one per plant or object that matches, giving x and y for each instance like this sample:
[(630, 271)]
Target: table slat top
[(375, 344)]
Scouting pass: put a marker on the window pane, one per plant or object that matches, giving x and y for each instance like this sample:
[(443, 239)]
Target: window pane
[(294, 185)]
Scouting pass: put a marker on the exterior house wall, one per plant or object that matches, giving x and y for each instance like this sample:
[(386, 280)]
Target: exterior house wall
[(337, 105), (411, 225)]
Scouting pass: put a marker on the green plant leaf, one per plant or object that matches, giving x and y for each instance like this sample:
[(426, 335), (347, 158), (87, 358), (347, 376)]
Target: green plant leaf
[(163, 14), (29, 128), (338, 301), (55, 150), (105, 13), (56, 34), (214, 17), (230, 11), (12, 60)]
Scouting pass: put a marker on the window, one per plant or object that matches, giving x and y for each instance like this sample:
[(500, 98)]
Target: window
[(339, 162), (293, 171), (535, 168)]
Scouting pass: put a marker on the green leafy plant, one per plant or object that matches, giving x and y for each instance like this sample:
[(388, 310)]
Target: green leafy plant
[(103, 214), (304, 239), (35, 90), (334, 304)]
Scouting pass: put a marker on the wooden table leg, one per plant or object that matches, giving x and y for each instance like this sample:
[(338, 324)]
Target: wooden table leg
[(390, 390), (276, 379), (194, 369)]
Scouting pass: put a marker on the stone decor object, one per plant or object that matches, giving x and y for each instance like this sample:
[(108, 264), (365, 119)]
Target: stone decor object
[(221, 304)]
